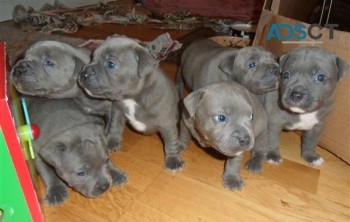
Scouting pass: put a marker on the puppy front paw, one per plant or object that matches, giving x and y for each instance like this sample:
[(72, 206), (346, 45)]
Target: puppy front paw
[(56, 194), (254, 165), (274, 157), (313, 159), (174, 163), (118, 177), (233, 183), (113, 145)]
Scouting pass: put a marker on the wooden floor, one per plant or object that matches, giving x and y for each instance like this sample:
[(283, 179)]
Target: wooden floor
[(292, 191)]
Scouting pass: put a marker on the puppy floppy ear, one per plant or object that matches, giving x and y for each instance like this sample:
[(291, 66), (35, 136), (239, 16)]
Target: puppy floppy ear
[(343, 67), (81, 57), (193, 100), (52, 153), (146, 63), (79, 65), (226, 65)]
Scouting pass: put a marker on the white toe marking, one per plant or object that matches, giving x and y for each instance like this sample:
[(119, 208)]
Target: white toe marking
[(318, 162), (275, 162)]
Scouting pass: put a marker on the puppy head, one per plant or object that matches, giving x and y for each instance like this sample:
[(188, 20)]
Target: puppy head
[(253, 67), (81, 161), (49, 69), (119, 68), (309, 77), (223, 117)]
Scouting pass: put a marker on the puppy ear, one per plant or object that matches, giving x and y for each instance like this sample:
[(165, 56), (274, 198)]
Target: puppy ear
[(79, 65), (193, 100), (80, 56), (52, 153), (282, 60), (146, 63), (226, 65), (343, 68)]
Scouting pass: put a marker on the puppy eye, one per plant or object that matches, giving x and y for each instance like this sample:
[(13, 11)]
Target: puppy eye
[(48, 63), (252, 65), (220, 118), (81, 173), (111, 65), (251, 117), (286, 75), (320, 77)]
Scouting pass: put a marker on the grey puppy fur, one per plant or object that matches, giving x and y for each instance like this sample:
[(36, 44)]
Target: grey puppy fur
[(306, 97), (71, 150), (50, 69), (123, 71), (205, 62), (229, 118)]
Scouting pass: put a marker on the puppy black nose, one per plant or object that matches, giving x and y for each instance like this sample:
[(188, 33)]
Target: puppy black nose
[(296, 96), (87, 73), (242, 137), (102, 186), (22, 68)]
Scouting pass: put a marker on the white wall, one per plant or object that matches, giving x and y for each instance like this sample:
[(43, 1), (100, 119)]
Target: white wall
[(6, 6)]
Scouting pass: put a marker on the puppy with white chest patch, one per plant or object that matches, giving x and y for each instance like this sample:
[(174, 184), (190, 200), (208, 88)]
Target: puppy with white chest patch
[(229, 118), (125, 72), (71, 150), (50, 69), (306, 97), (205, 62)]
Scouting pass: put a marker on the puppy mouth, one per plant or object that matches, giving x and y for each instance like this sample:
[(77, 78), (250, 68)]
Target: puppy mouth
[(96, 192), (29, 90), (301, 106), (94, 92), (231, 152)]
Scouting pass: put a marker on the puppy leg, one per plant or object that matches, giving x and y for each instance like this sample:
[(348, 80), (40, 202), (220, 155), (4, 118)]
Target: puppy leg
[(56, 189), (273, 156), (173, 161), (184, 136), (259, 151), (115, 129), (309, 142), (118, 177), (232, 177)]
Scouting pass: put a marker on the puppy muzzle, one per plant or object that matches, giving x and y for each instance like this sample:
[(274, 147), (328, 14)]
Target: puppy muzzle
[(23, 68), (87, 74)]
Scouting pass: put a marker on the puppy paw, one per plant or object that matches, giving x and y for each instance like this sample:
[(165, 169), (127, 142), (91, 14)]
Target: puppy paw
[(56, 194), (233, 183), (254, 165), (118, 177), (274, 158), (174, 163), (313, 159), (113, 145)]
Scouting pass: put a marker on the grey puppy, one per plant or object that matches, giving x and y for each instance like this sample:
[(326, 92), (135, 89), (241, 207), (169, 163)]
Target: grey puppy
[(123, 71), (205, 62), (50, 69), (71, 150), (229, 118), (306, 97)]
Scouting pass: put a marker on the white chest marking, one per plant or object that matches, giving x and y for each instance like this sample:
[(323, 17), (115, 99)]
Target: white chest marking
[(307, 121), (131, 104)]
